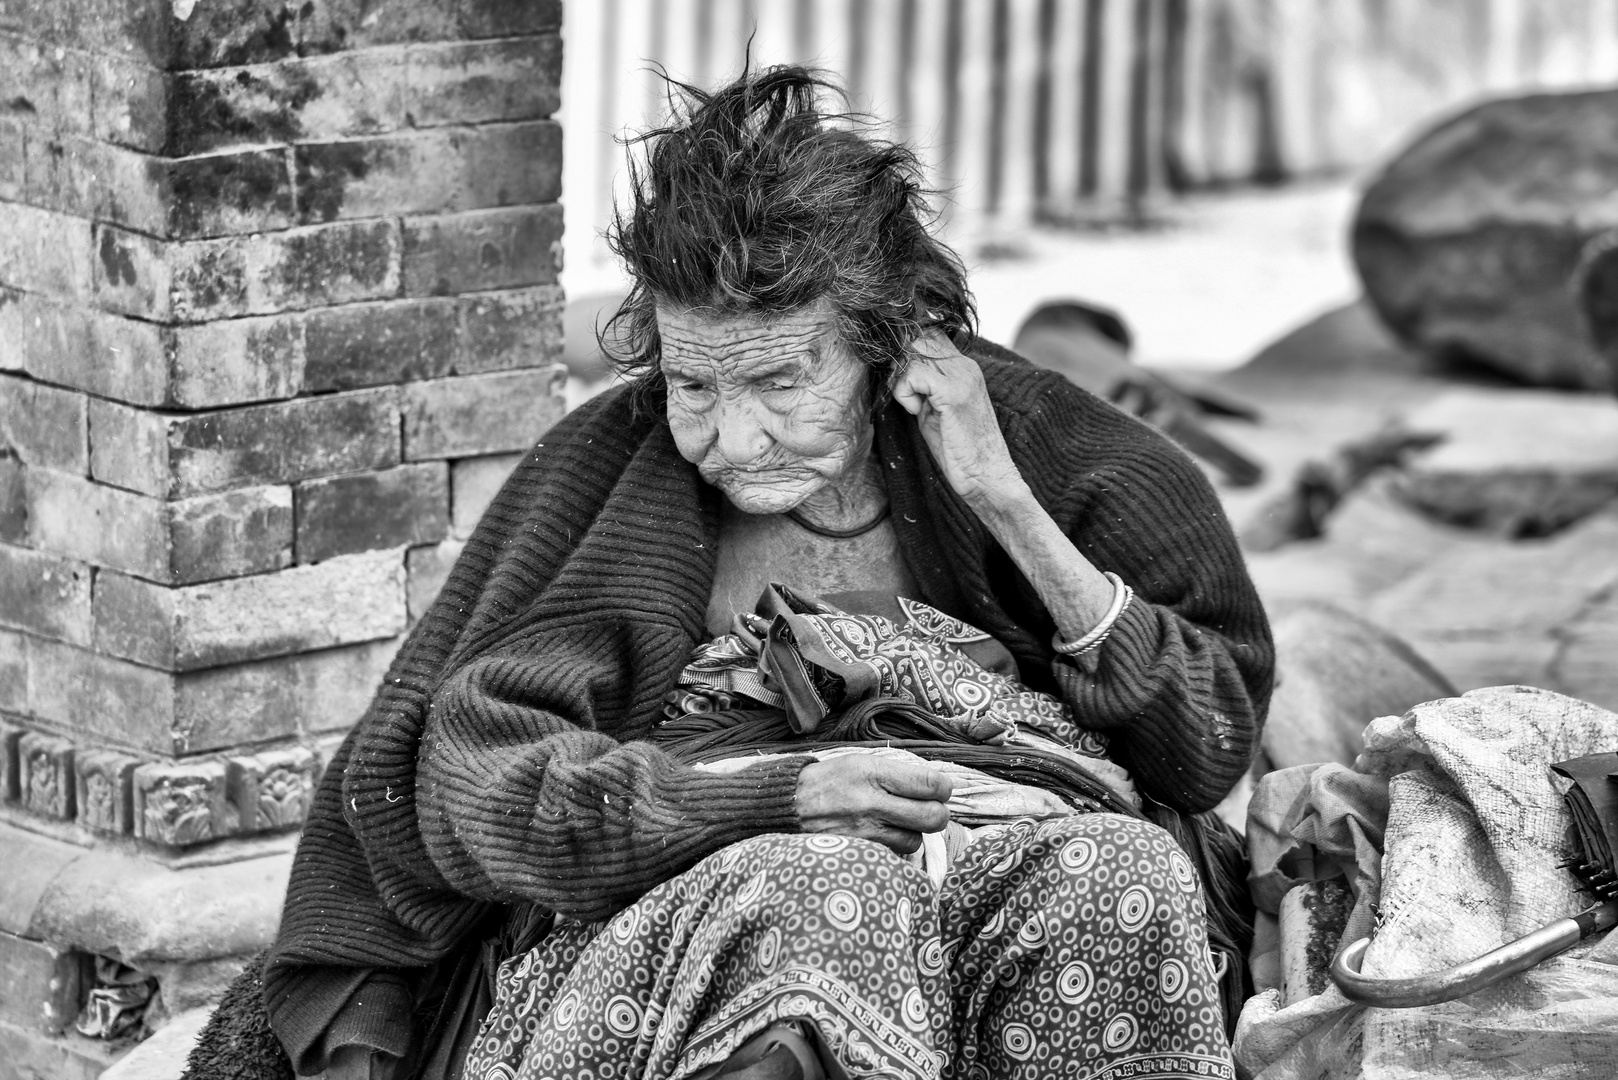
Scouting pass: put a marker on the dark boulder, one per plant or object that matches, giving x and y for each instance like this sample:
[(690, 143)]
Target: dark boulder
[(1480, 239)]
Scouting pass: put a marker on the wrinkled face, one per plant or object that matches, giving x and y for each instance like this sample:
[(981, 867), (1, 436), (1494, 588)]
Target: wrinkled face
[(770, 409)]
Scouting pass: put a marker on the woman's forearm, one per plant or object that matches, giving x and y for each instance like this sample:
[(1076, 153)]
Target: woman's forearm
[(1075, 592)]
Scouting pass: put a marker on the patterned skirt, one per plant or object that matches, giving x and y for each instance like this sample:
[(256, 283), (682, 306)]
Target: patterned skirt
[(1071, 947)]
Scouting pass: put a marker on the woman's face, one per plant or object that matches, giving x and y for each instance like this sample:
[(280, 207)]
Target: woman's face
[(770, 409)]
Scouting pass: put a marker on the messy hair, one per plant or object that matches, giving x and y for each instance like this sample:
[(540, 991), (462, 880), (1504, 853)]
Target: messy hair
[(755, 200)]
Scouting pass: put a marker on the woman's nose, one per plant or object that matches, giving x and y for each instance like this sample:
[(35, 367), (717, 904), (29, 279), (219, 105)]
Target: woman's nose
[(741, 435)]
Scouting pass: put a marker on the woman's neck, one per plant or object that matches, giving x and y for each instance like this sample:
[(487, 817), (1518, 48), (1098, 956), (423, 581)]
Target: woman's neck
[(853, 500)]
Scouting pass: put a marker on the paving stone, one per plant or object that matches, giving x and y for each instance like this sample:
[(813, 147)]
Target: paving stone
[(390, 508), (1476, 661), (1505, 590), (45, 780), (230, 534), (179, 804), (476, 415), (427, 568), (97, 523), (45, 594), (482, 249), (504, 330), (40, 983), (298, 695), (473, 485), (1587, 664), (66, 1057), (1516, 462), (44, 426), (114, 702), (360, 345), (177, 456), (104, 786), (476, 82)]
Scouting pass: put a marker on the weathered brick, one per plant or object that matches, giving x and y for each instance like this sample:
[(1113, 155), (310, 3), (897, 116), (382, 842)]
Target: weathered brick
[(235, 361), (230, 534), (476, 415), (134, 274), (13, 672), (89, 350), (477, 82), (131, 103), (98, 524), (40, 984), (227, 194), (444, 170), (482, 249), (508, 18), (182, 803), (45, 594), (104, 786), (13, 498), (44, 251), (365, 511), (263, 31), (473, 483), (426, 569), (360, 345), (93, 179), (285, 271), (46, 427), (272, 789), (114, 702), (504, 330), (46, 775), (13, 173), (293, 100), (134, 620), (359, 598), (177, 456), (46, 85), (136, 28), (290, 695)]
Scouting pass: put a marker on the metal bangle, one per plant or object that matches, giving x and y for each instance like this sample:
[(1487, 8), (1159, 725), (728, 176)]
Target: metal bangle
[(1121, 596)]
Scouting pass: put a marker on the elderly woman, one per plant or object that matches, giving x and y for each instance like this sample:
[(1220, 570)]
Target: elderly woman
[(809, 417)]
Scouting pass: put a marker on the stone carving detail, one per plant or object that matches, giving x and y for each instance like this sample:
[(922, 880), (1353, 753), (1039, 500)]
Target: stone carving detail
[(181, 804), (105, 784), (47, 775), (273, 789)]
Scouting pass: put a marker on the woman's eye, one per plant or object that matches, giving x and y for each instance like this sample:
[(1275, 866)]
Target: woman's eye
[(779, 385)]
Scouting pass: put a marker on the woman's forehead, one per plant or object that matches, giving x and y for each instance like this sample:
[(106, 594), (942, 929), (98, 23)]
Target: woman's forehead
[(709, 337)]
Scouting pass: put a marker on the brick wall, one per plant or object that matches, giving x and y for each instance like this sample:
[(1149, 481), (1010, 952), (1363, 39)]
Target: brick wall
[(278, 312)]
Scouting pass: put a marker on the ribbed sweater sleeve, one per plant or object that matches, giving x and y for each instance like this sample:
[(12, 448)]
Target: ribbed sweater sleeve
[(517, 800)]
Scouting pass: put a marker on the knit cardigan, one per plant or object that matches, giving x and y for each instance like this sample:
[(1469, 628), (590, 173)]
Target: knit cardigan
[(505, 759)]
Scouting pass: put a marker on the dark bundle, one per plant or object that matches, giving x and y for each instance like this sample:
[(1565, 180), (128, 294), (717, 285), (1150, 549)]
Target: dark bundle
[(756, 200)]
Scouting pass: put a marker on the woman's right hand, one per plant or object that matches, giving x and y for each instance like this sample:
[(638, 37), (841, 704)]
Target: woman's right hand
[(874, 798)]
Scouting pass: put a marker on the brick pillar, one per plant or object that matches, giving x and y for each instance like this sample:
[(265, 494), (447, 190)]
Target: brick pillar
[(278, 311)]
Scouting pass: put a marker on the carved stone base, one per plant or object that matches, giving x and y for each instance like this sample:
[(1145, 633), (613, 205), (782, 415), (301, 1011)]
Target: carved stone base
[(182, 803), (46, 767)]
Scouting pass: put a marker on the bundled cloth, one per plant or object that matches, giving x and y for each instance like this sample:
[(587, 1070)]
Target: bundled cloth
[(1448, 838)]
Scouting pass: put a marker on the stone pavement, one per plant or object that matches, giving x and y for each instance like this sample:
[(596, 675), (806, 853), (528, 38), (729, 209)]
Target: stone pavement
[(1489, 602)]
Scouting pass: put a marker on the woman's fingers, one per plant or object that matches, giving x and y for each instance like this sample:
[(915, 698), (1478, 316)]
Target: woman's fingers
[(913, 780), (874, 798)]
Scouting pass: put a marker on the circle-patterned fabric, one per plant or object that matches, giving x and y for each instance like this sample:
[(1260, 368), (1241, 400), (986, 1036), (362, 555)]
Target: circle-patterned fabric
[(1071, 947)]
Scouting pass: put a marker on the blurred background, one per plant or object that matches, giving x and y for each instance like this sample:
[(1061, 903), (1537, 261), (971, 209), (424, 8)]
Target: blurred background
[(1190, 163)]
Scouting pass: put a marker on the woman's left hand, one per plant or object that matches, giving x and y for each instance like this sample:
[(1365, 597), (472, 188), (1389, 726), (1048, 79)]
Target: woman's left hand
[(944, 390)]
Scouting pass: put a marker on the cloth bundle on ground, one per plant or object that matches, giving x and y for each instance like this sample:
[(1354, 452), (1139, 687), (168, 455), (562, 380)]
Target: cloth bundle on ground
[(1451, 837)]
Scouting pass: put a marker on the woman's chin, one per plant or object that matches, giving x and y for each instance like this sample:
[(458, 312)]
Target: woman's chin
[(765, 498)]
